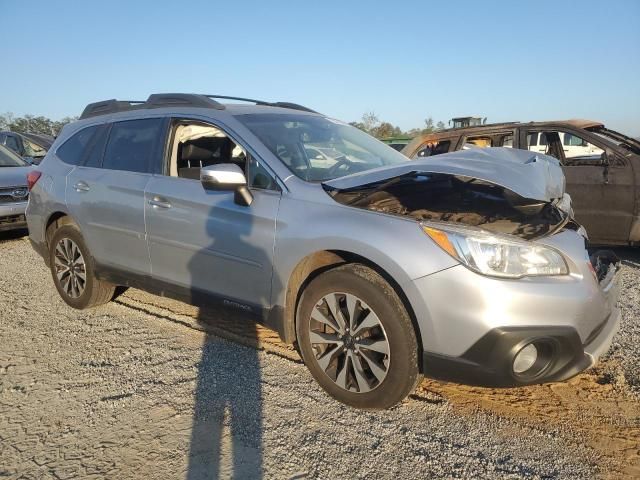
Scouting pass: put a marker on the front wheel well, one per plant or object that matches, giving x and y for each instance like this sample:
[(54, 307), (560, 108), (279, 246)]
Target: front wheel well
[(319, 262)]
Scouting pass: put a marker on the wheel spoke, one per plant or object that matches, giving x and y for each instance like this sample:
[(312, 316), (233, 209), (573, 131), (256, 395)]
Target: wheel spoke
[(324, 338), (361, 378), (376, 369), (341, 379), (370, 321), (66, 284), (351, 310), (380, 346), (62, 274), (60, 253), (318, 316), (332, 302), (328, 356)]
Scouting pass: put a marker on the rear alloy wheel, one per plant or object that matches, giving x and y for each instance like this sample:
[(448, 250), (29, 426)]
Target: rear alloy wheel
[(357, 339), (72, 270)]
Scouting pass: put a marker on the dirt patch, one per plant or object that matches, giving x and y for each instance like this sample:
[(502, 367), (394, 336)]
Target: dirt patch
[(599, 410)]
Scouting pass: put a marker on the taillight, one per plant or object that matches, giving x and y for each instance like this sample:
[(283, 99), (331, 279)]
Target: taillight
[(32, 177)]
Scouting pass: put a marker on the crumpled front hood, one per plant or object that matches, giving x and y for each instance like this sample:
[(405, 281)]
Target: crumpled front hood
[(14, 176), (530, 175)]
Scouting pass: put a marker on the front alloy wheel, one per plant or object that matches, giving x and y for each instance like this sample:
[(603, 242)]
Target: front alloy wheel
[(357, 338), (349, 342)]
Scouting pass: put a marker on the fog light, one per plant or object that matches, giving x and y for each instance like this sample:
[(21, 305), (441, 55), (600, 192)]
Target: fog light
[(525, 359)]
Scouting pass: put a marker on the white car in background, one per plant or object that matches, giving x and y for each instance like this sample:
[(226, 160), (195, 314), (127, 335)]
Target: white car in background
[(572, 145)]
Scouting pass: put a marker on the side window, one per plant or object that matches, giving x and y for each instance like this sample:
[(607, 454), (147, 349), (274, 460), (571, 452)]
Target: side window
[(133, 145), (95, 150), (480, 142), (532, 139), (433, 148), (506, 141), (543, 139), (12, 143), (198, 145), (73, 150), (578, 151)]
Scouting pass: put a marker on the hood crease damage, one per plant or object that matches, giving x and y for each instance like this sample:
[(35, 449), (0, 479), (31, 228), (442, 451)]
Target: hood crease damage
[(449, 191)]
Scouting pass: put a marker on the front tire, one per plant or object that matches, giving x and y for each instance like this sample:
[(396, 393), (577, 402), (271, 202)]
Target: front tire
[(357, 339), (73, 272)]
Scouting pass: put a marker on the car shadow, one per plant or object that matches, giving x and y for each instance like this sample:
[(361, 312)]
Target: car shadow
[(226, 436), (13, 235)]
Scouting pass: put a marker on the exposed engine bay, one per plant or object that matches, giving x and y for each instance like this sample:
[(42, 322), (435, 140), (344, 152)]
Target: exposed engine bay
[(457, 199)]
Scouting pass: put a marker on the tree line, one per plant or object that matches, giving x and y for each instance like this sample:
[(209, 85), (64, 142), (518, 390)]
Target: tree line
[(32, 124), (369, 123)]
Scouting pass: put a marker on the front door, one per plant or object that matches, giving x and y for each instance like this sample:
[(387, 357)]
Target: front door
[(201, 240)]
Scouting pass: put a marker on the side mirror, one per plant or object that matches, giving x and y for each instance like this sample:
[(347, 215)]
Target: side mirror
[(227, 176)]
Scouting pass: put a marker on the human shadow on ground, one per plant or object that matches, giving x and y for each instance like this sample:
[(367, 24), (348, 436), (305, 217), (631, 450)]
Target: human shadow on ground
[(226, 437)]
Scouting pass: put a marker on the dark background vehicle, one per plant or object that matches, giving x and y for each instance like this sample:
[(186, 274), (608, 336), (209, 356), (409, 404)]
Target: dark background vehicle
[(30, 146), (601, 166)]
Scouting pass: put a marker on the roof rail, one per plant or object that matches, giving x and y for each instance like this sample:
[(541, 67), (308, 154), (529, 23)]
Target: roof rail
[(108, 106), (159, 100), (293, 106)]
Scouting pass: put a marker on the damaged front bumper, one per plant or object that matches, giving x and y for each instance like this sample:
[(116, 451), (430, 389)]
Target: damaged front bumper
[(574, 329)]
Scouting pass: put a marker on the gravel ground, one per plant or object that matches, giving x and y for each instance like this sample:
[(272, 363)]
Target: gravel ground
[(625, 349), (131, 390)]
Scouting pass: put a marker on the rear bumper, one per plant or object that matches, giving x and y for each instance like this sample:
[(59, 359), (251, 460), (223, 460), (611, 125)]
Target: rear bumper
[(12, 216)]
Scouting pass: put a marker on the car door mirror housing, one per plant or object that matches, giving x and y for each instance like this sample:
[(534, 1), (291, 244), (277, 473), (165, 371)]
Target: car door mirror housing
[(227, 176)]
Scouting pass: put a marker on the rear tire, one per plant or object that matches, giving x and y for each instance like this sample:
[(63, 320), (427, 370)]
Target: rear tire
[(357, 339), (72, 270)]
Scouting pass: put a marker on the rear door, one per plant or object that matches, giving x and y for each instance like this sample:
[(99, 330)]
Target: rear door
[(106, 194)]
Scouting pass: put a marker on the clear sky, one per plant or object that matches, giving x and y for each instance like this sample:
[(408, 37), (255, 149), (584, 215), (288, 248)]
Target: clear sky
[(506, 60)]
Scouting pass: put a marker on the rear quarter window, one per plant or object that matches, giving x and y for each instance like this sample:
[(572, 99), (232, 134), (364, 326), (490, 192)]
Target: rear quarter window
[(73, 150)]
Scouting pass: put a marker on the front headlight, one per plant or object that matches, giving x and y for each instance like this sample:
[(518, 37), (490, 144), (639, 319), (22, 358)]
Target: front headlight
[(496, 255)]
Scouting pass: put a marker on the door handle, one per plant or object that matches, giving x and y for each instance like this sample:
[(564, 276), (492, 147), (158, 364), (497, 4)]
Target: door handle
[(81, 186), (159, 202)]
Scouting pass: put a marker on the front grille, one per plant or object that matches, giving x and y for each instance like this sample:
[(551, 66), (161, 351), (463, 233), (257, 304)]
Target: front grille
[(10, 194), (12, 219)]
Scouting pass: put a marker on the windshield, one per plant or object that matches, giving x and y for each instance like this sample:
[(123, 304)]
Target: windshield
[(317, 148), (10, 159)]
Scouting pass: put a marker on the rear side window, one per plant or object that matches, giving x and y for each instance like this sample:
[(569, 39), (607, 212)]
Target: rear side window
[(134, 145), (73, 150), (95, 150)]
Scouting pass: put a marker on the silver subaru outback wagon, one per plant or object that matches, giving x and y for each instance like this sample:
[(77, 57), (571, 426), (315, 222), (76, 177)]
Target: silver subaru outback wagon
[(465, 267)]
